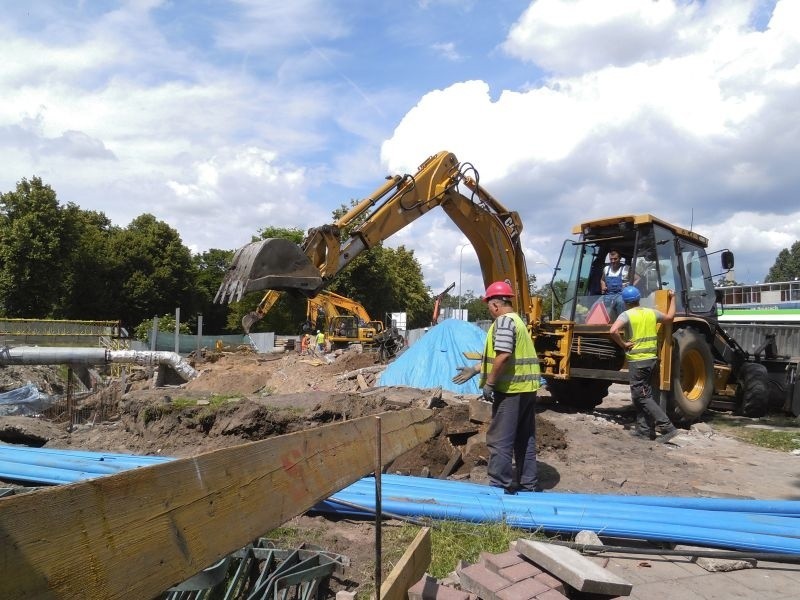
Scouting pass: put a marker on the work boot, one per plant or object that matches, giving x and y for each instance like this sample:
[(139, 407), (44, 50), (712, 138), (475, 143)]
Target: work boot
[(667, 435), (644, 434)]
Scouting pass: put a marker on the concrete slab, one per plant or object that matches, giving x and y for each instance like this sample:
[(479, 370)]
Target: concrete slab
[(574, 569)]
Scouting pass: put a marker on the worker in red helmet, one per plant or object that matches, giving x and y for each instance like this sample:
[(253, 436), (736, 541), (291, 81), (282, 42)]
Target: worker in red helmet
[(509, 380)]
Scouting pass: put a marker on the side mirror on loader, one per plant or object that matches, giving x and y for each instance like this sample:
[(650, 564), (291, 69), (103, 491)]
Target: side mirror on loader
[(727, 260)]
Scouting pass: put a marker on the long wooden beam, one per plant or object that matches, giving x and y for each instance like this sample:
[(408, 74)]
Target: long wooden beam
[(135, 534)]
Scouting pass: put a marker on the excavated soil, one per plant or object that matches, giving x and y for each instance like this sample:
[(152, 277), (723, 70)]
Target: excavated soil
[(241, 397)]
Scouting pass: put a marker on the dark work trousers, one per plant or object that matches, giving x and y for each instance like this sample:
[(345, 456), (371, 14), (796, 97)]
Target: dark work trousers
[(512, 432), (649, 414)]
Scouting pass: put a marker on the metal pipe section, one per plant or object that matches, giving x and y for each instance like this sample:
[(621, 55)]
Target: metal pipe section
[(43, 355), (152, 358)]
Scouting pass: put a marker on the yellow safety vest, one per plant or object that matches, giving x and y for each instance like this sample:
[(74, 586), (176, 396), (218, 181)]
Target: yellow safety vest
[(320, 338), (521, 373), (644, 334)]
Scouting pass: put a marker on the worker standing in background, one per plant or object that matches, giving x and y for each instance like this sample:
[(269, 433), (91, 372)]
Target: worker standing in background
[(641, 350), (304, 341), (320, 341), (509, 380)]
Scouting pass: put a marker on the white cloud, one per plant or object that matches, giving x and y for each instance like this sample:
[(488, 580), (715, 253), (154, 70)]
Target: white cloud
[(699, 116), (448, 51)]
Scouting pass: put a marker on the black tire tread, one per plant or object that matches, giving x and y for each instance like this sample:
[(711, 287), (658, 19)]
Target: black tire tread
[(753, 392)]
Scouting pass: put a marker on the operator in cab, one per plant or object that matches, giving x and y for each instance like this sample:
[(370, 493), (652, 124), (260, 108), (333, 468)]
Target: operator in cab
[(641, 350), (614, 278), (509, 380)]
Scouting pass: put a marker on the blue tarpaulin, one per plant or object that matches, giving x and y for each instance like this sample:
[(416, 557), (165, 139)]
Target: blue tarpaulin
[(435, 359)]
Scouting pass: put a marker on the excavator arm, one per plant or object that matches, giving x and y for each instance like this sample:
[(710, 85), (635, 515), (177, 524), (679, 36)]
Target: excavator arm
[(437, 301), (493, 231)]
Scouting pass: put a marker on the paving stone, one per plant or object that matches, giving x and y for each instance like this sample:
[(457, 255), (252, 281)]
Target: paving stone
[(551, 595), (495, 562), (523, 590), (428, 589), (479, 580), (552, 582), (345, 595), (519, 571)]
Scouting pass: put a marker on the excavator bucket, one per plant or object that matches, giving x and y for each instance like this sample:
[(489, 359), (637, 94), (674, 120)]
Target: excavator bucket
[(270, 264)]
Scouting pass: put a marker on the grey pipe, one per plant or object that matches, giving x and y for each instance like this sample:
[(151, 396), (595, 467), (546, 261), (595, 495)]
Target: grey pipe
[(43, 355), (150, 358)]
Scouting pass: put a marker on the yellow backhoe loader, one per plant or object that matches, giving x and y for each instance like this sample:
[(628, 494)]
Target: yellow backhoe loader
[(576, 354)]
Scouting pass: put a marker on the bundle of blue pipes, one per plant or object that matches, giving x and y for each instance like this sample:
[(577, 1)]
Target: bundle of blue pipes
[(750, 525)]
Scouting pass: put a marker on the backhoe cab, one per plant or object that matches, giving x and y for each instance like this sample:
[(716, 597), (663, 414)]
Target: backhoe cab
[(698, 359)]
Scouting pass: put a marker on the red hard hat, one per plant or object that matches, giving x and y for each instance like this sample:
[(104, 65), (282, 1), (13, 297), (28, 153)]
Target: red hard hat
[(498, 288)]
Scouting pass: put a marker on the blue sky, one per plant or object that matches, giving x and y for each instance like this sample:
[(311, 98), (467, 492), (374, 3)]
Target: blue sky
[(224, 117)]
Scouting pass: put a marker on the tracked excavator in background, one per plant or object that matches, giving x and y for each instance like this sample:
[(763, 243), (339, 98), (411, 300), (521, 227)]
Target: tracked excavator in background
[(576, 354), (346, 322)]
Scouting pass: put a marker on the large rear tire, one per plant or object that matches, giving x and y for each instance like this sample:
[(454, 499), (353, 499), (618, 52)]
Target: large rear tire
[(692, 375), (753, 391), (580, 394)]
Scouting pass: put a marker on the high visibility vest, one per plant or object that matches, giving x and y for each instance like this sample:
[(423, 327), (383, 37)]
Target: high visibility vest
[(320, 338), (644, 334), (521, 373)]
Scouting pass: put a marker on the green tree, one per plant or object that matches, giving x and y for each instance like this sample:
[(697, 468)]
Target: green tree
[(787, 265), (210, 268), (33, 250), (166, 324), (154, 269), (91, 289)]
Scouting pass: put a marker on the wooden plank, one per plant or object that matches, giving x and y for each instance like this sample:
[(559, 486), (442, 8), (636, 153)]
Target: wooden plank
[(410, 568), (135, 534)]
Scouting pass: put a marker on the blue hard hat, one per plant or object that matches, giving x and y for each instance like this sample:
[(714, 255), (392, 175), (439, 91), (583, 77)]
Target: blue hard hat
[(630, 294)]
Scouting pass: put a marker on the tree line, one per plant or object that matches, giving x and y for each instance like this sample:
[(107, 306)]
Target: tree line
[(62, 262)]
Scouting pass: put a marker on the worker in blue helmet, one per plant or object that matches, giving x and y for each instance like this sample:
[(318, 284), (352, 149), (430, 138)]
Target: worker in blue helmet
[(640, 344)]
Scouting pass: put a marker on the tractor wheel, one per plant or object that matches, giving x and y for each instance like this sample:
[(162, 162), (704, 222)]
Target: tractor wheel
[(692, 375), (579, 394), (753, 391)]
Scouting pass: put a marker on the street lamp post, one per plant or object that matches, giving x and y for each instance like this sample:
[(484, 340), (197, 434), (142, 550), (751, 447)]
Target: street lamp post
[(460, 261)]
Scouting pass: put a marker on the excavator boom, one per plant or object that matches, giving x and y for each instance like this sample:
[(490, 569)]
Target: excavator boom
[(493, 231)]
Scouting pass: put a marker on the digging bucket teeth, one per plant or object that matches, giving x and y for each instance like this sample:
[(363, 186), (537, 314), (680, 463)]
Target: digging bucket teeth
[(270, 264)]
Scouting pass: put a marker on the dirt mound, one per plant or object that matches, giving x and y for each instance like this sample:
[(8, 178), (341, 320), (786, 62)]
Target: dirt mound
[(44, 377)]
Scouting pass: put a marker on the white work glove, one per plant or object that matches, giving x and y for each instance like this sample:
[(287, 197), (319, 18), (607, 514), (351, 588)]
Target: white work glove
[(464, 375)]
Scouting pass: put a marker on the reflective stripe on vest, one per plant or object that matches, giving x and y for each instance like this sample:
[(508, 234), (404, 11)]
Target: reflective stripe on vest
[(644, 334), (521, 372)]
